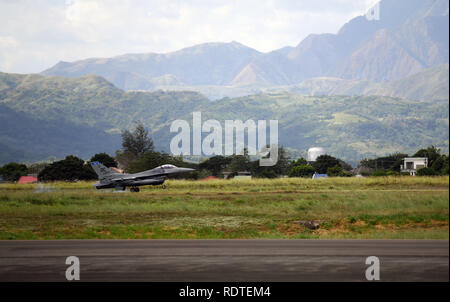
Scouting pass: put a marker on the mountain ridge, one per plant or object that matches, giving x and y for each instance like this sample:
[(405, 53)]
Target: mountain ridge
[(410, 36), (57, 116)]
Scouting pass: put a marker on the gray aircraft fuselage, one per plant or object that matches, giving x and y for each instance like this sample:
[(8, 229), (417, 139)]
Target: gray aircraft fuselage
[(119, 181)]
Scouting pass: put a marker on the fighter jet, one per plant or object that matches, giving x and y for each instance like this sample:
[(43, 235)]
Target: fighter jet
[(119, 181)]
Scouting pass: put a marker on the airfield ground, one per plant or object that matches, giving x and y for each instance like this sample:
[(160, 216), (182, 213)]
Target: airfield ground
[(371, 208)]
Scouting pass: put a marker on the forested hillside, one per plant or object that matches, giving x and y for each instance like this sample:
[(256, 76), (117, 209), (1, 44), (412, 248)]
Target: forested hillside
[(55, 116)]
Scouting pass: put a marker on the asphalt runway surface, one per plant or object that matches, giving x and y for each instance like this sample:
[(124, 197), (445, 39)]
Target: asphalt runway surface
[(224, 260)]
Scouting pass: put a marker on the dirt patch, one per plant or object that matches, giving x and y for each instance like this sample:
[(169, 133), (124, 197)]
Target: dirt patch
[(291, 229)]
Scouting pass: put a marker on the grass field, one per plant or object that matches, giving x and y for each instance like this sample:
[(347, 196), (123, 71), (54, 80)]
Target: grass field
[(378, 207)]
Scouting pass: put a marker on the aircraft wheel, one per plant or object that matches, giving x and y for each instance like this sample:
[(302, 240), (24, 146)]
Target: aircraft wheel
[(163, 186), (134, 190)]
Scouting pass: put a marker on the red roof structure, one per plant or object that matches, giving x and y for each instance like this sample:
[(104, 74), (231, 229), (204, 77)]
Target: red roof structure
[(27, 180), (209, 178)]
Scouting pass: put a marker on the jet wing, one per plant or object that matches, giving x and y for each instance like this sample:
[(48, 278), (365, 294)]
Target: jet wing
[(123, 178)]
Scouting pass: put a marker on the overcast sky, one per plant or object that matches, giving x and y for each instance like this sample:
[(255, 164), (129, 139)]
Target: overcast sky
[(36, 34)]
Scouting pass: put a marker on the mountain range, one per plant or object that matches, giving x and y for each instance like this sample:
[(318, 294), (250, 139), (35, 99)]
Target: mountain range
[(409, 37), (46, 117)]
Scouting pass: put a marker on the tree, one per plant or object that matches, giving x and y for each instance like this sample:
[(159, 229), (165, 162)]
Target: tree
[(301, 171), (215, 164), (239, 162), (105, 159), (324, 162), (432, 153), (390, 162), (137, 142), (392, 173), (334, 171), (134, 145), (71, 168), (282, 166), (36, 168), (267, 173), (440, 165), (299, 162), (426, 172), (380, 172), (13, 171), (444, 170), (125, 159)]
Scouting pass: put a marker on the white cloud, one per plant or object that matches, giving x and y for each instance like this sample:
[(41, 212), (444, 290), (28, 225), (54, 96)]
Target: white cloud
[(35, 35)]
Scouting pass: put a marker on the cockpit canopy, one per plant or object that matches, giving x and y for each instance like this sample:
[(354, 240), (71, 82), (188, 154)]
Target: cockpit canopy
[(167, 166)]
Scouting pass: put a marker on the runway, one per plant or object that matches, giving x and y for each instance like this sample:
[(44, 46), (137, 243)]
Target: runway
[(224, 260)]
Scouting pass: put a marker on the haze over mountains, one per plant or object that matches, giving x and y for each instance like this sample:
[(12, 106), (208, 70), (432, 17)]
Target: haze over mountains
[(410, 36)]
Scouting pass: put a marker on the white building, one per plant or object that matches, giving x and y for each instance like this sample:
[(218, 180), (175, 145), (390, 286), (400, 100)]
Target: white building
[(413, 164)]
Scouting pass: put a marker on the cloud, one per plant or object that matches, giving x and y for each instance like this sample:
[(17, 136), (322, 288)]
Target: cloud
[(35, 35)]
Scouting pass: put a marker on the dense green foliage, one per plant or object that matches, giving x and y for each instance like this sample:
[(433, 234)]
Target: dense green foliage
[(233, 164), (71, 168), (13, 171), (441, 164), (432, 153), (215, 164), (137, 142), (301, 171), (390, 162), (438, 163), (335, 171), (426, 172), (325, 162), (105, 159)]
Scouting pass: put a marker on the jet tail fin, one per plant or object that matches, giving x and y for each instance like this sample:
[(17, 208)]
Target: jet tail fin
[(102, 171)]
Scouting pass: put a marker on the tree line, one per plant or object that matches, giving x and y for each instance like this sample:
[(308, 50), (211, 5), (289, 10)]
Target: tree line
[(138, 153), (438, 163)]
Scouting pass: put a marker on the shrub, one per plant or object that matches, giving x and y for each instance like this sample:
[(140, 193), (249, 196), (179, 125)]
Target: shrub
[(379, 173), (392, 173), (426, 172), (71, 168), (268, 174), (13, 171), (301, 171), (334, 171)]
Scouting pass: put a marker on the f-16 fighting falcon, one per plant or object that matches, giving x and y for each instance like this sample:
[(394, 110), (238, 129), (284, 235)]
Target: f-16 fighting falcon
[(119, 181)]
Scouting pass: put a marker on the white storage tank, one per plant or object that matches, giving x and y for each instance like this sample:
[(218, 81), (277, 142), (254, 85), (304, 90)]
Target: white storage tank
[(315, 152)]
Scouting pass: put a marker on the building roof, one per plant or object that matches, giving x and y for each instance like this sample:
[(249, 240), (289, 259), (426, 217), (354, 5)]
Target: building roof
[(27, 180), (209, 178), (319, 176)]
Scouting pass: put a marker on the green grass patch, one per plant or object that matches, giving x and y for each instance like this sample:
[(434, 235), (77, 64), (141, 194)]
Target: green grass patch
[(390, 207)]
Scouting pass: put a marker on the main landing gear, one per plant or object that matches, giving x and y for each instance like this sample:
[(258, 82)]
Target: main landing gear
[(134, 189)]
